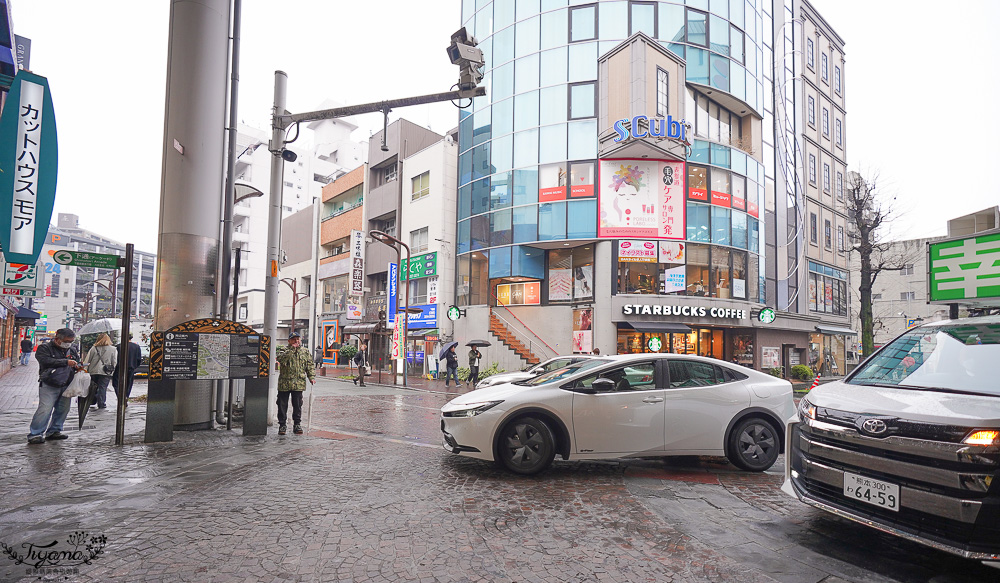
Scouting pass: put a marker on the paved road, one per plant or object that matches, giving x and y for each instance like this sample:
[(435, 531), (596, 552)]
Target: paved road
[(369, 495)]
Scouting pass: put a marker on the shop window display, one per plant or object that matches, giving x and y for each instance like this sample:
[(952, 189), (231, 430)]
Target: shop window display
[(743, 350), (638, 278)]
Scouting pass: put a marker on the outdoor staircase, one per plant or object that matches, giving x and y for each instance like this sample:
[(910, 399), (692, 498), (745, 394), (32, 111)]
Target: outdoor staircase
[(504, 335)]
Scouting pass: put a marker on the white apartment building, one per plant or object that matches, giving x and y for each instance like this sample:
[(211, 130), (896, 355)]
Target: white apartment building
[(427, 223)]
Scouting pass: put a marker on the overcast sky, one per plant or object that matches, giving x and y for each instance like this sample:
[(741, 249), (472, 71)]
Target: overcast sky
[(919, 80)]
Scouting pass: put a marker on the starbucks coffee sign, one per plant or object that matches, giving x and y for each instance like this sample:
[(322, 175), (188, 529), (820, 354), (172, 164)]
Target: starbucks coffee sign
[(690, 311)]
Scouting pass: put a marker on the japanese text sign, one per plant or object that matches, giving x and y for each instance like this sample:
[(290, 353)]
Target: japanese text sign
[(964, 269), (420, 266), (357, 262), (28, 167)]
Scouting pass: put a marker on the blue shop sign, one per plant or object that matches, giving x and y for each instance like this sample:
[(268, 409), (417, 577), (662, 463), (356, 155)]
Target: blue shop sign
[(427, 318), (658, 128)]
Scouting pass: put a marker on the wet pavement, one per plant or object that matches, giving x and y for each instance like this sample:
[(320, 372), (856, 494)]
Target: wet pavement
[(368, 494)]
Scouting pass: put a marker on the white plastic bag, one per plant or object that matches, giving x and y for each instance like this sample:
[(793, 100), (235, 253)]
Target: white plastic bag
[(79, 386)]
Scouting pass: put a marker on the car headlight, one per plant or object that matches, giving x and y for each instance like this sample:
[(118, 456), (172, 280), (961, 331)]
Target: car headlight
[(806, 410), (470, 409)]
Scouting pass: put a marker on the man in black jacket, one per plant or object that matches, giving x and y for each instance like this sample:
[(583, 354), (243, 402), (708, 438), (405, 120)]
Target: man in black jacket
[(53, 358), (361, 361), (132, 361), (26, 347)]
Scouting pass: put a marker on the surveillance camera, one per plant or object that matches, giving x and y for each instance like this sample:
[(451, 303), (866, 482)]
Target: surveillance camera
[(289, 156), (463, 53), (462, 36)]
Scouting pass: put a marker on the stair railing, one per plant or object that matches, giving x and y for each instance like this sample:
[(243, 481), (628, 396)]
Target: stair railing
[(531, 343)]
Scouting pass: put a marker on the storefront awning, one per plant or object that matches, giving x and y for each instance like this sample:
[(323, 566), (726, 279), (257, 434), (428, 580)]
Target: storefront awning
[(370, 328), (660, 327), (27, 314), (835, 330)]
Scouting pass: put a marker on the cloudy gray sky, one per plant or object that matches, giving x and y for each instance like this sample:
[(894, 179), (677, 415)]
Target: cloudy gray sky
[(916, 77)]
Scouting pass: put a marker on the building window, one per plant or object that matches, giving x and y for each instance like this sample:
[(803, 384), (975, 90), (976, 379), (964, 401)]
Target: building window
[(418, 240), (836, 78), (387, 226), (840, 133), (697, 28), (421, 186), (826, 68), (827, 235), (662, 95), (840, 186), (907, 269), (876, 296), (812, 168), (810, 57), (908, 295), (813, 230), (840, 239), (812, 111), (582, 23), (418, 291), (642, 18), (826, 122), (826, 178), (582, 99)]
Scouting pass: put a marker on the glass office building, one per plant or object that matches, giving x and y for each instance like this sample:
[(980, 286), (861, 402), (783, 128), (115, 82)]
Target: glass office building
[(577, 127)]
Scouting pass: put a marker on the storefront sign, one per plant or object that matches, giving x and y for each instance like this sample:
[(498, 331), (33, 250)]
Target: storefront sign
[(373, 305), (770, 357), (658, 128), (691, 311), (637, 251), (357, 262), (393, 280), (672, 252), (432, 290), (519, 294), (354, 309), (420, 266), (766, 316), (654, 344), (674, 280), (28, 167), (21, 275), (964, 269), (642, 199), (427, 318)]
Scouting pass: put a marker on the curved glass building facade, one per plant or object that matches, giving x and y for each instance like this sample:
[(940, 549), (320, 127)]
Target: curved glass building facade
[(546, 178)]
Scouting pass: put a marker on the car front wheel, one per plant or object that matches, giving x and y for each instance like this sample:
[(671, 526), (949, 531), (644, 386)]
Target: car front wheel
[(526, 446), (754, 445)]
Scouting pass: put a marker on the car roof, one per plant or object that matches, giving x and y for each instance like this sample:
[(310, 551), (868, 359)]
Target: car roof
[(963, 321)]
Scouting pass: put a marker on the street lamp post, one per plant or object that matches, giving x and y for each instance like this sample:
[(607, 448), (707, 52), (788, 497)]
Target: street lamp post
[(396, 244), (296, 296)]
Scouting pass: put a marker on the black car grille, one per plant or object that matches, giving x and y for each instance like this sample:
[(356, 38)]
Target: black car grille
[(946, 488)]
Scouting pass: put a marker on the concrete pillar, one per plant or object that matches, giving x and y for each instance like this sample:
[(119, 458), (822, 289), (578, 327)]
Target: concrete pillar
[(605, 331), (192, 183)]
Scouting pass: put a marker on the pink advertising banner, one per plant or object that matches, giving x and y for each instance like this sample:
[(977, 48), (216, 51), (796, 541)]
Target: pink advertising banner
[(641, 198)]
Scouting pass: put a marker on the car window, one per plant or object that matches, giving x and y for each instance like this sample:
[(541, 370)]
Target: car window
[(558, 363), (690, 373), (563, 373), (639, 376), (959, 357)]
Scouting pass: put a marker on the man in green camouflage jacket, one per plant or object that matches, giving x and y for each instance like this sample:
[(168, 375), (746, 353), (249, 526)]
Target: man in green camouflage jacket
[(295, 366)]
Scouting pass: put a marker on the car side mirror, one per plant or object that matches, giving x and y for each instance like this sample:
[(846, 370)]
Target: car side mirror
[(603, 385)]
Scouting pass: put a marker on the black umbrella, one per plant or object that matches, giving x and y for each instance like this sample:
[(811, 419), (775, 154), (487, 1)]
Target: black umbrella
[(446, 348), (83, 403), (478, 343)]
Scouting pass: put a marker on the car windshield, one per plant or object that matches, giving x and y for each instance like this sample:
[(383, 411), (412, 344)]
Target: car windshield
[(959, 357), (549, 366), (561, 373)]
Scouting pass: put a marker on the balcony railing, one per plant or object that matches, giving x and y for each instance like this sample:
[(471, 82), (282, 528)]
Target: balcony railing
[(339, 212)]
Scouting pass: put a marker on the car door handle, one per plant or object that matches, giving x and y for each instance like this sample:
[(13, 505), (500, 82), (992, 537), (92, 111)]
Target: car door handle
[(653, 400)]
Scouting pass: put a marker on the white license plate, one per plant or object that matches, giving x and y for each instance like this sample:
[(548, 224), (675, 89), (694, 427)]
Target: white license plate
[(872, 491)]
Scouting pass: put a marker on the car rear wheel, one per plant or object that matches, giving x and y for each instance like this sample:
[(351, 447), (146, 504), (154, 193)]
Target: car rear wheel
[(526, 446), (754, 445)]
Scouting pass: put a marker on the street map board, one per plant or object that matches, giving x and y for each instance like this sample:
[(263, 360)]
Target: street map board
[(201, 356)]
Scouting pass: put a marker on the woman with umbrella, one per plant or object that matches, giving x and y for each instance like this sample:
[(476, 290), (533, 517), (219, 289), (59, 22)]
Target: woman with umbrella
[(475, 357), (451, 360), (100, 362)]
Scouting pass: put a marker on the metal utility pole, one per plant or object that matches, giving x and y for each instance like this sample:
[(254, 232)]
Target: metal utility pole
[(462, 52), (276, 147)]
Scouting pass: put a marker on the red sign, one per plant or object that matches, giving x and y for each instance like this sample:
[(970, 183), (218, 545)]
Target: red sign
[(532, 293), (552, 194), (752, 208), (581, 190), (739, 203), (697, 194), (720, 198)]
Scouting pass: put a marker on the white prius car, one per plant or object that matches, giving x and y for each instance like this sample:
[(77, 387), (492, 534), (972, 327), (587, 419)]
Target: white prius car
[(637, 405)]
